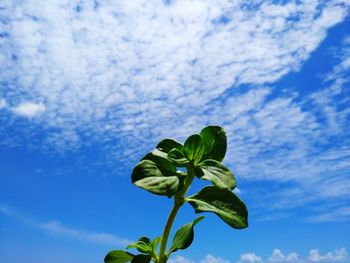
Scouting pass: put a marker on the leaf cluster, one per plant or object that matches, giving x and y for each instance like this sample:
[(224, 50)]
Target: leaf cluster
[(161, 172)]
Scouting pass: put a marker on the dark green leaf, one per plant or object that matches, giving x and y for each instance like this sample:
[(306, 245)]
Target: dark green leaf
[(184, 236), (177, 157), (141, 259), (214, 139), (149, 176), (194, 148), (162, 161), (167, 145), (217, 173), (155, 154), (222, 202), (143, 245), (118, 256)]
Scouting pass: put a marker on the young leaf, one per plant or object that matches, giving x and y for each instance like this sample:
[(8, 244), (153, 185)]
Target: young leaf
[(184, 236), (147, 175), (167, 145), (194, 148), (118, 256), (143, 245), (141, 258), (222, 202), (214, 139), (217, 173), (177, 157)]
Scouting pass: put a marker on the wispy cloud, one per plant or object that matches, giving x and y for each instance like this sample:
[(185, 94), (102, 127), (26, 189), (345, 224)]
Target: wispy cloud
[(300, 141), (337, 214), (104, 62), (55, 227), (136, 73)]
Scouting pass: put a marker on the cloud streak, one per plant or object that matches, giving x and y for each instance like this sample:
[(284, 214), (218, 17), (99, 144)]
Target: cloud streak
[(55, 227)]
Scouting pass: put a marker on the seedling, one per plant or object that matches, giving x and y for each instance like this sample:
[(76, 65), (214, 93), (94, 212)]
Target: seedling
[(161, 172)]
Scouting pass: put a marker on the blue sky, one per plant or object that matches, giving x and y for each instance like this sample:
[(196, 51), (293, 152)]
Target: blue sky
[(89, 87)]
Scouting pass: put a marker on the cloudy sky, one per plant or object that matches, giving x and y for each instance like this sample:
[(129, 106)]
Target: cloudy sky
[(88, 87)]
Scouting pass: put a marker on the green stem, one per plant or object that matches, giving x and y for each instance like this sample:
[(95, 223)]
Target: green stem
[(166, 232), (178, 202)]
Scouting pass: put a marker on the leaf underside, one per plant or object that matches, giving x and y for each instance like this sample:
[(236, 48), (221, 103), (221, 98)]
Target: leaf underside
[(217, 173), (223, 203), (143, 245), (149, 176)]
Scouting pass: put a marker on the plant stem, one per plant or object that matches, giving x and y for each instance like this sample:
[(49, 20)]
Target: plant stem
[(166, 232), (178, 202)]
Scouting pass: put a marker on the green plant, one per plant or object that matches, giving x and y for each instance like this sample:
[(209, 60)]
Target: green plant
[(161, 172)]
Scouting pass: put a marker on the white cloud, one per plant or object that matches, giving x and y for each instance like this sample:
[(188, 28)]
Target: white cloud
[(278, 257), (212, 259), (207, 259), (287, 140), (250, 258), (3, 104), (136, 73), (29, 109), (338, 255), (57, 228), (180, 259), (89, 62)]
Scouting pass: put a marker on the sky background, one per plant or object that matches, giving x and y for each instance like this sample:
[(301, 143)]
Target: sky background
[(89, 87)]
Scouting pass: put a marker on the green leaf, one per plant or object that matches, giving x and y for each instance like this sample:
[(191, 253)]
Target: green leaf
[(178, 158), (141, 258), (167, 145), (162, 161), (222, 202), (118, 256), (155, 243), (143, 245), (217, 173), (155, 154), (184, 236), (149, 176), (215, 144), (194, 148)]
